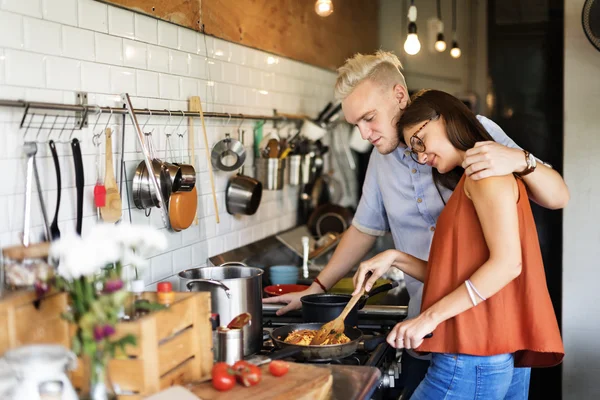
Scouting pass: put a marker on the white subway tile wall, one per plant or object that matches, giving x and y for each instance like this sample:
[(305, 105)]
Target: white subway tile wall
[(50, 49)]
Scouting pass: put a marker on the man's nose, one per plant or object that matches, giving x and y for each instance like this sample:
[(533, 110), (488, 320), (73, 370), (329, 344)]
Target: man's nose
[(365, 132)]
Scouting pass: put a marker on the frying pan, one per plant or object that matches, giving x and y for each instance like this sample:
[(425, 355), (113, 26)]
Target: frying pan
[(321, 353)]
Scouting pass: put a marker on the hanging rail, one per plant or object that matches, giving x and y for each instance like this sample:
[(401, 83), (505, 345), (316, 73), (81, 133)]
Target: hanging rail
[(89, 109)]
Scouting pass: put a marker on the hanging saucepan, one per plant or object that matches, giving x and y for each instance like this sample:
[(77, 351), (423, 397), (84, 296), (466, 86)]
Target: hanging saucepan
[(182, 206), (243, 193), (144, 196), (227, 149)]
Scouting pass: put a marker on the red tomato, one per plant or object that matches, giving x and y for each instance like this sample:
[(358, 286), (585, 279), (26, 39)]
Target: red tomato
[(250, 376), (278, 368), (223, 376), (240, 365)]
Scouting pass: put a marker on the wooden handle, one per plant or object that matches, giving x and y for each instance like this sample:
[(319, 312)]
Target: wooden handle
[(194, 106), (351, 304), (210, 171), (109, 176), (19, 252)]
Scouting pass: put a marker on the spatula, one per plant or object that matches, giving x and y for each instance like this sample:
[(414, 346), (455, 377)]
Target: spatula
[(111, 212), (336, 326)]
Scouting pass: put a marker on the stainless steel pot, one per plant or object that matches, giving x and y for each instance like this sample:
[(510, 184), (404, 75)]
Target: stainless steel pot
[(144, 195), (234, 288), (243, 195)]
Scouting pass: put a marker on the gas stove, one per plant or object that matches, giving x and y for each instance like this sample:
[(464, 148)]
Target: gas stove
[(382, 357)]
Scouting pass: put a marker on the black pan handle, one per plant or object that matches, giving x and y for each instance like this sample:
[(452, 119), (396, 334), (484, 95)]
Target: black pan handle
[(371, 343), (377, 290), (287, 351), (79, 181), (323, 112), (54, 231)]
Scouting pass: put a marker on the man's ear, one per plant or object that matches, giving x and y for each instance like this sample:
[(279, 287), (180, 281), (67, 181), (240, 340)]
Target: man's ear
[(401, 95)]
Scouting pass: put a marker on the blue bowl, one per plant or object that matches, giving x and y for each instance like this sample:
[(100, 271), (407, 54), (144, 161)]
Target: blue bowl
[(283, 274)]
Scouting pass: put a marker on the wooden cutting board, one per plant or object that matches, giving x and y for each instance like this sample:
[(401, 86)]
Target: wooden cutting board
[(303, 381)]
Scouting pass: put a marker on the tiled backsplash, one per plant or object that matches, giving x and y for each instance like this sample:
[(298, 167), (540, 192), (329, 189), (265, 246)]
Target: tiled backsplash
[(49, 49)]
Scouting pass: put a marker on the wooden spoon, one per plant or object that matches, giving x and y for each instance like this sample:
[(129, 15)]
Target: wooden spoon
[(336, 326), (111, 212)]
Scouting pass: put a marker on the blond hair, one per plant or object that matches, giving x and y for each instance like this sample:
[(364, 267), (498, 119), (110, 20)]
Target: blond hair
[(383, 67)]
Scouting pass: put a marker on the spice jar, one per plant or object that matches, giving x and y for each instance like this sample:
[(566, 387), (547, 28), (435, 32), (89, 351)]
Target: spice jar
[(165, 293)]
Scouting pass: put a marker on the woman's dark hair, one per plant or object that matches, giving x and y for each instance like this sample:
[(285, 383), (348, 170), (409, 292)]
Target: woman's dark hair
[(463, 128)]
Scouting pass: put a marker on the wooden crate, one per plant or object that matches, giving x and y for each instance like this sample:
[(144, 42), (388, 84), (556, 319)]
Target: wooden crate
[(28, 320), (174, 346)]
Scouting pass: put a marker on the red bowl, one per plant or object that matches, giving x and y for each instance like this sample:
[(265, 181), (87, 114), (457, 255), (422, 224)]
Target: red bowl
[(278, 290)]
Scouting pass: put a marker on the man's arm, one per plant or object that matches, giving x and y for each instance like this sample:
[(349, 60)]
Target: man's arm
[(545, 186), (351, 249)]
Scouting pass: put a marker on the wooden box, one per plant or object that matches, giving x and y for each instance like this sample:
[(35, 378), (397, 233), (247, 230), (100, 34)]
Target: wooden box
[(174, 346), (27, 320)]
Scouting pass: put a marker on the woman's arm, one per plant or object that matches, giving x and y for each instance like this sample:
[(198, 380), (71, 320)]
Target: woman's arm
[(495, 200)]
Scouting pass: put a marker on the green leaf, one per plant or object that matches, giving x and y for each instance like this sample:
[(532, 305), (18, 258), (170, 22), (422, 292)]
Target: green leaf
[(76, 346), (67, 315), (89, 347), (150, 306)]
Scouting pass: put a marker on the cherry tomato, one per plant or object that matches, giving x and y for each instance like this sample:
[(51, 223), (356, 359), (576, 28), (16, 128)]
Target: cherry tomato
[(278, 368), (247, 374), (223, 376)]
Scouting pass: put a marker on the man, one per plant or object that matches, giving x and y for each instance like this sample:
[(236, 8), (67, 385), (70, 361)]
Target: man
[(399, 194)]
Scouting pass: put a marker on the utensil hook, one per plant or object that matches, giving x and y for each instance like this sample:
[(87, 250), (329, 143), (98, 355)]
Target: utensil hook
[(40, 129), (145, 123), (240, 132)]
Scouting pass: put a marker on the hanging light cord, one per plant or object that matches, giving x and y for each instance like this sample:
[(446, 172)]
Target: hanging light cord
[(439, 10), (454, 17)]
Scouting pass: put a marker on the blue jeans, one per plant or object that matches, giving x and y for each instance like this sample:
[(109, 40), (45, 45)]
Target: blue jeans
[(461, 376)]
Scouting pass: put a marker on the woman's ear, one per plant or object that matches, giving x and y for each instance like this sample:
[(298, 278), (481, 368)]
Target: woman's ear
[(401, 95)]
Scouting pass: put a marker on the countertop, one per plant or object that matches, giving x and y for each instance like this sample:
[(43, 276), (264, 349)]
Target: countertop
[(352, 382)]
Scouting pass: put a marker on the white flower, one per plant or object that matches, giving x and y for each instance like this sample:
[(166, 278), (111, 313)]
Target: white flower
[(105, 244)]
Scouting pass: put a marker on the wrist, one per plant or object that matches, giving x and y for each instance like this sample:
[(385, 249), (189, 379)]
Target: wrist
[(521, 162), (317, 286), (433, 316)]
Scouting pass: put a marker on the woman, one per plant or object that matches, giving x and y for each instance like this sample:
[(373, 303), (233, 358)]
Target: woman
[(485, 297)]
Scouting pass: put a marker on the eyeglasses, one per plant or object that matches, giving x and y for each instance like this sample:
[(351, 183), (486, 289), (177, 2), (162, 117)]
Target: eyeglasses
[(416, 144)]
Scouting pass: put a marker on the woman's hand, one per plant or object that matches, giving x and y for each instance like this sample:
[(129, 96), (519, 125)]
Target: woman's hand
[(377, 266), (409, 334)]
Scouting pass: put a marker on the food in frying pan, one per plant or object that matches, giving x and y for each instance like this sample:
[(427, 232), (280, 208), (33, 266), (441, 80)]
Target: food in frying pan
[(303, 337)]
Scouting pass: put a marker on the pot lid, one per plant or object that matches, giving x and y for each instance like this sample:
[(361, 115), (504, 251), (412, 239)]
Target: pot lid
[(590, 19)]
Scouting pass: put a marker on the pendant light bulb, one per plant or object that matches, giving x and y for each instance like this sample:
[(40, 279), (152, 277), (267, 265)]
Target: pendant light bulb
[(324, 8), (455, 51), (440, 44), (412, 45)]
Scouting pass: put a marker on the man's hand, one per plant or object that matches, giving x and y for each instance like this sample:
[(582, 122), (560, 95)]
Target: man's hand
[(291, 299), (487, 159)]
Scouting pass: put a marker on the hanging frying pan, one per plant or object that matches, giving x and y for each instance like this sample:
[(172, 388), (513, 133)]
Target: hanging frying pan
[(590, 19)]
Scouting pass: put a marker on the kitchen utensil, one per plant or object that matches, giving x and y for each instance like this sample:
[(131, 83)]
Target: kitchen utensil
[(210, 171), (79, 182), (283, 274), (54, 231), (278, 290), (39, 366), (272, 149), (195, 107), (312, 131), (243, 193), (111, 212), (324, 307), (228, 154), (590, 19), (295, 169), (270, 171), (305, 252), (231, 345), (188, 172), (235, 288), (29, 148), (329, 218), (332, 112), (182, 207), (240, 321), (336, 326), (323, 112), (38, 185), (321, 353), (162, 202)]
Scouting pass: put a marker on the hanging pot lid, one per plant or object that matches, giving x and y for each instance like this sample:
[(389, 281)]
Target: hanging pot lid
[(590, 19)]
